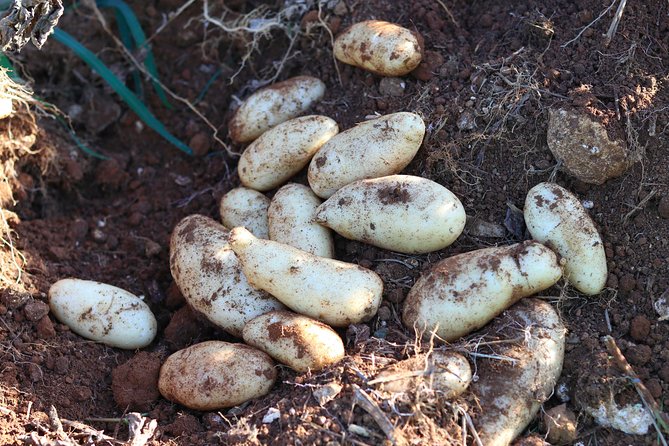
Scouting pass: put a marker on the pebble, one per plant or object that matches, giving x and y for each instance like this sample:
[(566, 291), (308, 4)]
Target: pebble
[(392, 86), (35, 310), (560, 424)]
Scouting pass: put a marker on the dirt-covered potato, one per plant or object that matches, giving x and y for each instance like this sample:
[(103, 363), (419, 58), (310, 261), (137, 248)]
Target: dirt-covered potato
[(245, 207), (554, 216), (372, 149), (334, 292), (380, 47), (214, 375), (283, 151), (103, 313), (273, 105), (463, 293), (298, 341), (210, 277), (402, 213)]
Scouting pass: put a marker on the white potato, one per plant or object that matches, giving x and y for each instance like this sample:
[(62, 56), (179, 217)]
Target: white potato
[(372, 149), (103, 313), (209, 275), (298, 341), (245, 207), (380, 47), (554, 216), (215, 374), (402, 213), (463, 293), (273, 105), (291, 221), (510, 393), (334, 292), (283, 151)]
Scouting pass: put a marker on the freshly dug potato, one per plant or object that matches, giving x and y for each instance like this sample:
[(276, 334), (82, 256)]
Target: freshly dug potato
[(554, 216), (214, 375), (380, 47), (245, 207), (510, 393), (463, 293), (103, 313), (372, 149), (273, 105), (334, 292), (402, 213), (291, 221), (298, 341), (210, 277), (283, 151)]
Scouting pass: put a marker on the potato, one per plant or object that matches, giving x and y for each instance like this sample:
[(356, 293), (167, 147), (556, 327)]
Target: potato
[(554, 216), (215, 374), (299, 342), (402, 213), (245, 207), (210, 277), (372, 149), (334, 292), (463, 293), (510, 393), (103, 313), (380, 47), (283, 151), (291, 221), (273, 105)]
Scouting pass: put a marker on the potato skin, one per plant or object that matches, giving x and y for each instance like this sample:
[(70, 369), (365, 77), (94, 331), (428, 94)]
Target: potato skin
[(245, 207), (214, 375), (372, 149)]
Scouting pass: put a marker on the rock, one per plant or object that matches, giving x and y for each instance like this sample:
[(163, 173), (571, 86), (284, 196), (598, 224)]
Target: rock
[(35, 310), (560, 424), (584, 147), (632, 419), (467, 120), (392, 86), (477, 227), (663, 208)]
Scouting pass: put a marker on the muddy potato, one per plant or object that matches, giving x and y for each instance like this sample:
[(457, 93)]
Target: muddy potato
[(463, 293), (372, 149), (245, 207), (554, 216), (103, 313), (331, 291), (402, 213), (298, 341), (291, 221), (281, 152), (380, 47), (273, 105), (214, 375), (210, 277)]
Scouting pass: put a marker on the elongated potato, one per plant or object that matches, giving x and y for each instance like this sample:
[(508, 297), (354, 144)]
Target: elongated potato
[(283, 151), (463, 293), (210, 277), (510, 394), (372, 149), (554, 216), (273, 105), (245, 207), (291, 221), (334, 292), (402, 213), (380, 47)]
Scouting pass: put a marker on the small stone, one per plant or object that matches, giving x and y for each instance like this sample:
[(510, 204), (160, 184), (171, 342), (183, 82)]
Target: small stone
[(467, 120), (327, 393), (45, 328), (35, 310), (151, 248), (392, 86), (560, 424), (663, 208), (639, 328), (340, 8), (98, 235), (384, 313)]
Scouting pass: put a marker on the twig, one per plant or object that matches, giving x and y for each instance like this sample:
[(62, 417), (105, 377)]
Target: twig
[(639, 206), (614, 24), (470, 423), (171, 18), (448, 11), (361, 398), (578, 36)]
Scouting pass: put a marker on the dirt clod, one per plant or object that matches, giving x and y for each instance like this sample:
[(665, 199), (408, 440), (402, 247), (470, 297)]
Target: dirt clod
[(135, 383), (35, 310), (639, 328)]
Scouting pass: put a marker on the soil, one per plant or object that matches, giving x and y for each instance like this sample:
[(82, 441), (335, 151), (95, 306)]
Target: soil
[(490, 73)]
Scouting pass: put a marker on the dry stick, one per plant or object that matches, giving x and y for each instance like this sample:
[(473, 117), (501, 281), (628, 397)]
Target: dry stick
[(448, 11), (327, 28), (363, 399), (639, 206), (578, 36), (174, 15), (614, 24)]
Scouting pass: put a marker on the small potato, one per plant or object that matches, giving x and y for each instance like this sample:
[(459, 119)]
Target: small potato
[(463, 293), (214, 375), (273, 105), (291, 221), (283, 151), (372, 149), (402, 213), (334, 292), (380, 47), (298, 341), (554, 216), (103, 313), (210, 277), (245, 207)]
